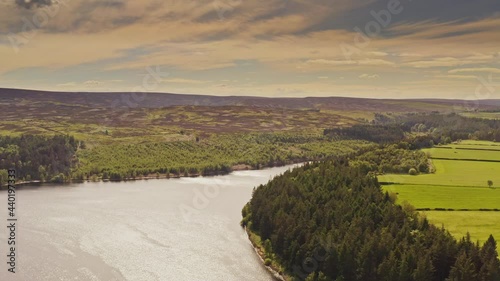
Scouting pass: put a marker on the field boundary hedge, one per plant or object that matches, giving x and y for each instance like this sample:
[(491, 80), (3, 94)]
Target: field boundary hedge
[(471, 160), (457, 210), (425, 184)]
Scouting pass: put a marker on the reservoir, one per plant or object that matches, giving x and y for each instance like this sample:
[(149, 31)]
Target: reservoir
[(177, 229)]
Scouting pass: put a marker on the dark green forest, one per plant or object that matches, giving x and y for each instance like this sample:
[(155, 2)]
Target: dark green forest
[(453, 126), (394, 158), (37, 157), (331, 221)]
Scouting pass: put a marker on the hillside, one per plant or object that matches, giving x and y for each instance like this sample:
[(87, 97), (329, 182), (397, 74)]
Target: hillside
[(159, 100)]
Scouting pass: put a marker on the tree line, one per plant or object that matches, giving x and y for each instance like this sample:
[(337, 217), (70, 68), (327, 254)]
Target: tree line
[(420, 130), (394, 159)]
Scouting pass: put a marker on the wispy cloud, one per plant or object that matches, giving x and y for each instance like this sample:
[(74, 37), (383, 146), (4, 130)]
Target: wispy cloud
[(184, 81), (369, 77), (475, 70)]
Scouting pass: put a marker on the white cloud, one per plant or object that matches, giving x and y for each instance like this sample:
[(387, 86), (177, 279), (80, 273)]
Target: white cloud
[(437, 62), (65, 85), (184, 81), (374, 62), (475, 70), (378, 54), (332, 62), (409, 55), (364, 62), (457, 76), (92, 83), (369, 77)]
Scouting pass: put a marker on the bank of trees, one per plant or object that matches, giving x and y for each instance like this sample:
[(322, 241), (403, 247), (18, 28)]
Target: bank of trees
[(210, 156), (421, 129), (38, 157), (395, 158), (450, 127), (331, 221)]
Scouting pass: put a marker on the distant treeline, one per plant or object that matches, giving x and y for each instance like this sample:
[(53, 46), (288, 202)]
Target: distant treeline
[(37, 157), (421, 130), (395, 158), (453, 126), (331, 222)]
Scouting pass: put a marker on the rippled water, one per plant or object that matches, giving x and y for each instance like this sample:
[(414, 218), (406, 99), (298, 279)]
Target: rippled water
[(178, 229)]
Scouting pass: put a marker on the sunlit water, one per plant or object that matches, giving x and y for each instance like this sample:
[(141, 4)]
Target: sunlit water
[(178, 229)]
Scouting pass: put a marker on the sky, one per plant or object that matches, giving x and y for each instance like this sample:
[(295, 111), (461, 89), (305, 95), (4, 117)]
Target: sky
[(275, 48)]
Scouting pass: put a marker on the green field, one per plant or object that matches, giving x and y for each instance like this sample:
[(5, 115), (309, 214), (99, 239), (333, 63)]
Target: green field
[(431, 196), (474, 147), (453, 173), (479, 224), (479, 143), (457, 185), (465, 154)]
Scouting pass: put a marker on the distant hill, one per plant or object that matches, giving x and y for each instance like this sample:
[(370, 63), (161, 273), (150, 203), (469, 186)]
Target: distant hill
[(159, 100)]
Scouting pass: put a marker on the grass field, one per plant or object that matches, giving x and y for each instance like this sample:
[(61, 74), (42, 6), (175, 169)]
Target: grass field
[(491, 147), (480, 225), (456, 184), (431, 196), (453, 173), (479, 143), (465, 153)]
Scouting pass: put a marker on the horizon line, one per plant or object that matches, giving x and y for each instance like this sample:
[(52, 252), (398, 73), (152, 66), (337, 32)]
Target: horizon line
[(242, 96)]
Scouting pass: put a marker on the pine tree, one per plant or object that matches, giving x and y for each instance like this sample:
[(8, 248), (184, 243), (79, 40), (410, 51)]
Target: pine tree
[(490, 270), (424, 270), (463, 270)]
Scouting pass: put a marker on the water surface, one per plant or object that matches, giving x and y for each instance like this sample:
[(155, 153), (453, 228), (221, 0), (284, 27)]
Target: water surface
[(178, 229)]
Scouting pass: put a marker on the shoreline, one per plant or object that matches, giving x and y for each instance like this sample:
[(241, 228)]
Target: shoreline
[(235, 168), (260, 253)]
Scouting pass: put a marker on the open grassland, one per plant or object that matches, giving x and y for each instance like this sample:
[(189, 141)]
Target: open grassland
[(447, 197), (480, 225), (479, 143), (463, 153), (453, 173)]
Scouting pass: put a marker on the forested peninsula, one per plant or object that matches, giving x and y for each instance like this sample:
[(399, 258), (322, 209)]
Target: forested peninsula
[(331, 221)]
